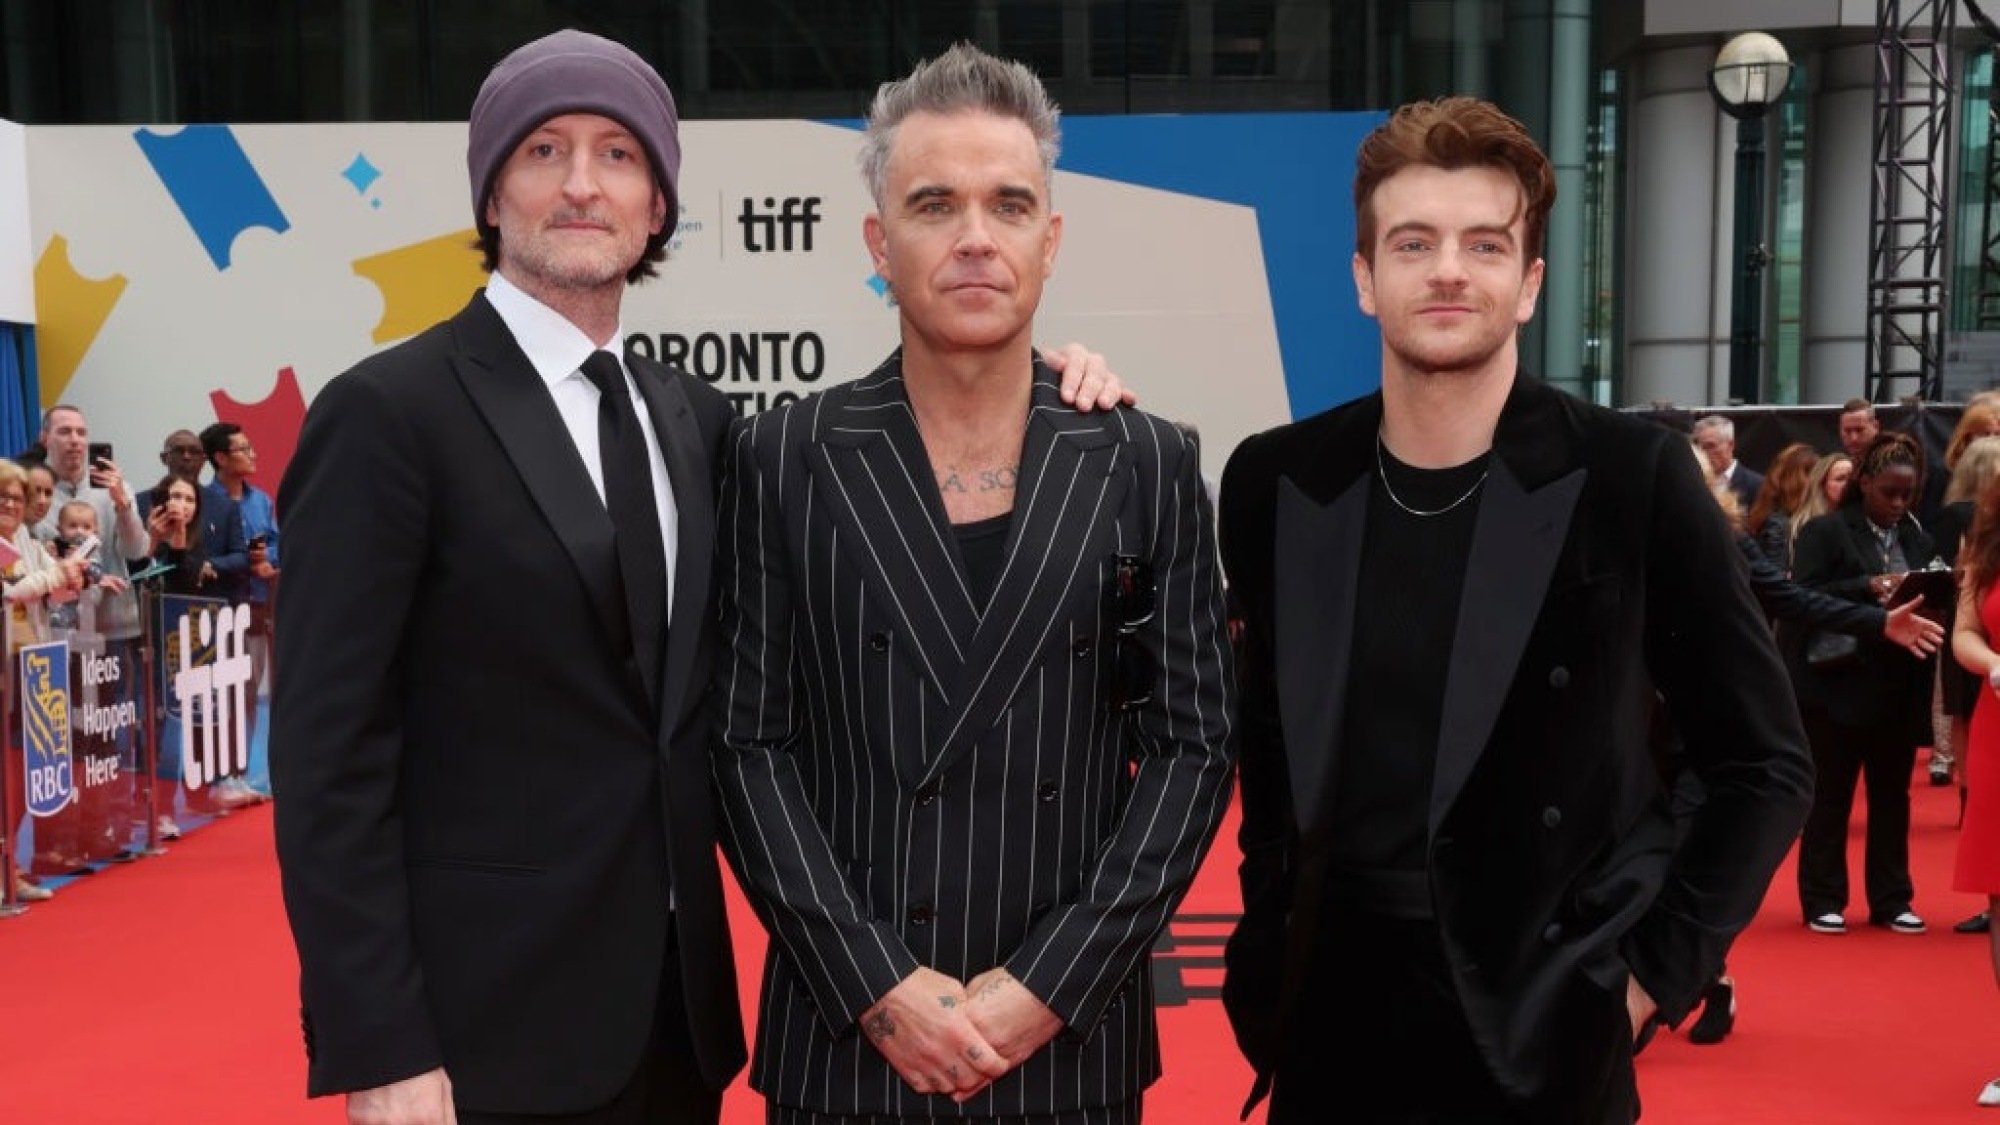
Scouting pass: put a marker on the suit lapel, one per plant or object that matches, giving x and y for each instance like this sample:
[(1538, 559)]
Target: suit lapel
[(1523, 522), (1068, 495), (1317, 559), (511, 397), (871, 474), (694, 501)]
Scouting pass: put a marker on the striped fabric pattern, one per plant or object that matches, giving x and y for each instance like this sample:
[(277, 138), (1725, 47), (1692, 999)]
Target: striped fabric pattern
[(910, 778)]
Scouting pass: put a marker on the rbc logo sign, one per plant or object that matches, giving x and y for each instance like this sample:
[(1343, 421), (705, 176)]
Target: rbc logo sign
[(45, 728), (213, 693)]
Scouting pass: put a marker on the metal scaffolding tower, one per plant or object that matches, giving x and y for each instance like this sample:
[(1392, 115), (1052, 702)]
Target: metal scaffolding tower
[(1908, 197)]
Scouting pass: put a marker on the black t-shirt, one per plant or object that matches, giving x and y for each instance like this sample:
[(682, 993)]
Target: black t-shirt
[(1411, 579), (982, 546)]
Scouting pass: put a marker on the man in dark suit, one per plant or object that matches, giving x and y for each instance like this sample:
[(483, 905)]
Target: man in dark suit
[(976, 703), (1462, 891), (494, 819), (1715, 436)]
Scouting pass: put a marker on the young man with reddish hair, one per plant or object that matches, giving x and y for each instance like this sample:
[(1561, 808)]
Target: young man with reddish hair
[(1463, 896)]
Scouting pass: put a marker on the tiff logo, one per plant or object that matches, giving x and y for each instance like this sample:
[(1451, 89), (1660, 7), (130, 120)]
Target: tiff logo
[(772, 229), (214, 696)]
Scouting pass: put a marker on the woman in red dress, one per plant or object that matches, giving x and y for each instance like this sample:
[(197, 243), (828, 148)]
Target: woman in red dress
[(1972, 643)]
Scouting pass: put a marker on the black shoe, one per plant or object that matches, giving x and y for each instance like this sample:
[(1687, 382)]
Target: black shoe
[(1977, 924), (1718, 1013), (1940, 777)]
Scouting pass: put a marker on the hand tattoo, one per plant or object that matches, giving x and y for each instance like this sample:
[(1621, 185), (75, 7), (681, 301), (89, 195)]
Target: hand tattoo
[(879, 1026), (975, 1052), (948, 1001), (995, 985)]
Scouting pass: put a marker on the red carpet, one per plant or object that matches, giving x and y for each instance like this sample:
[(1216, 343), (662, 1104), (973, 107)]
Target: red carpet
[(164, 992)]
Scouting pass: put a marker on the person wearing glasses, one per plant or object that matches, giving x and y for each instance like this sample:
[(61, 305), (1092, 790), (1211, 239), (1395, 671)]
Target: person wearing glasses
[(975, 696), (1463, 896)]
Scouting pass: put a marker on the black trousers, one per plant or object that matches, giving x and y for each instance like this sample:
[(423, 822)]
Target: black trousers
[(1881, 755), (666, 1089), (1124, 1113), (1379, 1036)]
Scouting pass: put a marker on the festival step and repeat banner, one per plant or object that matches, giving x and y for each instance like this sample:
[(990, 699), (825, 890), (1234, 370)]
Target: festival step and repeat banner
[(90, 753), (193, 273)]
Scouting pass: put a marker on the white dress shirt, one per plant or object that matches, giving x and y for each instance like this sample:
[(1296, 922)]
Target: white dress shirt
[(556, 349)]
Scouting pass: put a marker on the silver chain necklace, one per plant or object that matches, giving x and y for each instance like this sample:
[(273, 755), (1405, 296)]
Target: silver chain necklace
[(1382, 470)]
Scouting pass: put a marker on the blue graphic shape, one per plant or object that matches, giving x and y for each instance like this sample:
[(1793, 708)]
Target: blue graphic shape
[(879, 284), (1296, 170), (360, 173), (212, 181), (45, 728)]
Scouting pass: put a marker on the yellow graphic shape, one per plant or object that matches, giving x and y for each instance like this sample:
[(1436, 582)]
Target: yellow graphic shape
[(422, 283), (72, 310)]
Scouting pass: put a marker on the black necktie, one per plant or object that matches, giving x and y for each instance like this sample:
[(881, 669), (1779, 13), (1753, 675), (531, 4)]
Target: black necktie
[(635, 513)]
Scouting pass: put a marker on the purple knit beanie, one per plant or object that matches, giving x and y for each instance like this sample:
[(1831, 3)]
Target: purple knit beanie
[(573, 72)]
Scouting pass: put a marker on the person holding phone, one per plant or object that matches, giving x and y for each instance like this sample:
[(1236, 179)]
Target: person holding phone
[(87, 471)]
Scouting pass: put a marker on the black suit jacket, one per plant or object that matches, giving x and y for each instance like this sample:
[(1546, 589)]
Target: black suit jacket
[(1837, 554), (911, 775), (481, 804), (1600, 571), (1745, 482)]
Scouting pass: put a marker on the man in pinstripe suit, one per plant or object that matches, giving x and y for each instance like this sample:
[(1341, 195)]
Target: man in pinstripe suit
[(975, 731)]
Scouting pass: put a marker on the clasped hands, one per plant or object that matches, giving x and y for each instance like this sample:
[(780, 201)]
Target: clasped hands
[(948, 1038)]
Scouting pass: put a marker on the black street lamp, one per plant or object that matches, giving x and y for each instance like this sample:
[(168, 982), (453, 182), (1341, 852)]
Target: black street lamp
[(1749, 76)]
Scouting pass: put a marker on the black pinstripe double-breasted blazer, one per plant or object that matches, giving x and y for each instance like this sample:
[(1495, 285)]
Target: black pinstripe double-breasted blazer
[(910, 778)]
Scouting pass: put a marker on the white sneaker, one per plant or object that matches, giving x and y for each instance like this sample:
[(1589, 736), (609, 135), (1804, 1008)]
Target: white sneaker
[(1907, 923), (1828, 923), (1990, 1096)]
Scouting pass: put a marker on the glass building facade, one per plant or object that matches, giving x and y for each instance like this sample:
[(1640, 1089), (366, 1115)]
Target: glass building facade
[(1579, 73)]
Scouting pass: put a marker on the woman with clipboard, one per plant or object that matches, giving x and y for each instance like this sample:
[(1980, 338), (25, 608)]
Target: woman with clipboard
[(1866, 705)]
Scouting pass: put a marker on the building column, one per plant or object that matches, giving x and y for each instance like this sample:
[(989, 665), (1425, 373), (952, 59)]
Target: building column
[(1839, 166), (1564, 293), (1674, 221)]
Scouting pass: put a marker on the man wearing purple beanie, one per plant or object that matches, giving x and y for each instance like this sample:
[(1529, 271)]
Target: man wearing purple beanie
[(495, 823)]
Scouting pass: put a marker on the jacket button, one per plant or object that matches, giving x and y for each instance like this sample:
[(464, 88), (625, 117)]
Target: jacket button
[(878, 642), (1080, 648), (1554, 933), (1048, 791), (920, 914), (1559, 677), (1552, 817), (927, 795)]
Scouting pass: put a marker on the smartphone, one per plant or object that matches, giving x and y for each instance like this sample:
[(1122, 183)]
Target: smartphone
[(99, 451)]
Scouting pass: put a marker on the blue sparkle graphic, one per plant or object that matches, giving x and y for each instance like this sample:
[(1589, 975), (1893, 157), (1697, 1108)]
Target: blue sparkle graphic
[(361, 174), (880, 286)]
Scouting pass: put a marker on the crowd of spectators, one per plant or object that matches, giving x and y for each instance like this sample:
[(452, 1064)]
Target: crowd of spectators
[(76, 535)]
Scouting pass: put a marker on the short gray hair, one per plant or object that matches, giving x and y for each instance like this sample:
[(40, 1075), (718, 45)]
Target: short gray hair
[(963, 78), (1723, 427)]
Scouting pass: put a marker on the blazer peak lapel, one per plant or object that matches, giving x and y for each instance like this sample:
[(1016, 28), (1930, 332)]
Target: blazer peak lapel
[(1068, 493), (1516, 540), (694, 504), (511, 397), (1316, 585), (869, 469)]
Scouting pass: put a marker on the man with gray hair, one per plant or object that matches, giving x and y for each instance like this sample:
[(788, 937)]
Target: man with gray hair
[(1715, 436), (975, 701)]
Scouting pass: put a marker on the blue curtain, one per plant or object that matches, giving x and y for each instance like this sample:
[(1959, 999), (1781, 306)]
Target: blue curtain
[(20, 394)]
